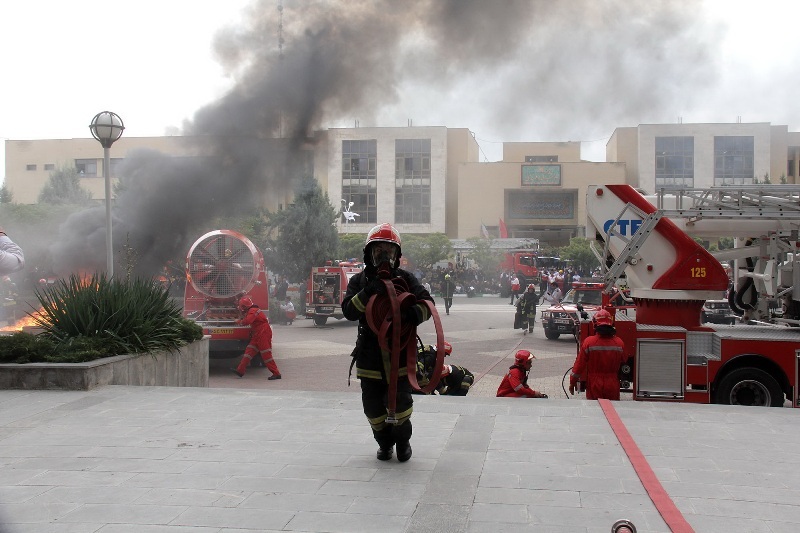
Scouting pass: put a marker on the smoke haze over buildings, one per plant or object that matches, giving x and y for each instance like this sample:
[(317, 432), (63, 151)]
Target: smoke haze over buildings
[(575, 66)]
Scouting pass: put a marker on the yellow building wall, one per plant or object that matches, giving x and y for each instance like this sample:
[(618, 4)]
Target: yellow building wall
[(461, 148), (515, 152), (25, 185), (482, 189)]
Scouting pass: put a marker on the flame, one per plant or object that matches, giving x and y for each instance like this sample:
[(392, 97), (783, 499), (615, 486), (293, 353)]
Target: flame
[(26, 321)]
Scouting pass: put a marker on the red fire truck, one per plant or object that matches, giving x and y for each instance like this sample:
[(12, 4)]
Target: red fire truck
[(672, 355), (221, 267), (325, 289)]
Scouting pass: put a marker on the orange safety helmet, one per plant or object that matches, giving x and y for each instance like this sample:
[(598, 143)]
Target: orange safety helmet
[(245, 303), (603, 318), (524, 358)]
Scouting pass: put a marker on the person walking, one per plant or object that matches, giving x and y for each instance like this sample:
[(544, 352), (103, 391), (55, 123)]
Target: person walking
[(599, 360), (514, 288), (448, 289), (260, 338), (382, 254), (527, 304)]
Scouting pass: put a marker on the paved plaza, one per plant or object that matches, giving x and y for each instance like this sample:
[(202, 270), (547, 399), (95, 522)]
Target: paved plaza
[(248, 455), (179, 460)]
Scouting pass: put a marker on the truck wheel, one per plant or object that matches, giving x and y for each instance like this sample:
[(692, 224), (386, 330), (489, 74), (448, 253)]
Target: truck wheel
[(320, 320), (749, 386), (552, 335)]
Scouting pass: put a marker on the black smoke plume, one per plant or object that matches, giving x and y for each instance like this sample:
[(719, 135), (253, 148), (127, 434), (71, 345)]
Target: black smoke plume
[(570, 65)]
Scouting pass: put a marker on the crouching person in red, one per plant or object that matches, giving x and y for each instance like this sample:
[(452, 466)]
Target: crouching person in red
[(515, 382), (260, 338), (599, 360)]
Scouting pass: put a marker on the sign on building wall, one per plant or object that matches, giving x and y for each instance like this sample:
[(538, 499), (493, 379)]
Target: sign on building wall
[(541, 175), (527, 204)]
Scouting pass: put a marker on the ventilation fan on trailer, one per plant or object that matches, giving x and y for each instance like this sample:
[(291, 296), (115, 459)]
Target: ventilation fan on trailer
[(223, 264)]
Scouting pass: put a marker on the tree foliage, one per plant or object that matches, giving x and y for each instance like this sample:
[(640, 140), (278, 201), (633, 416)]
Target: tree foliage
[(63, 188), (578, 251), (5, 195), (426, 251), (305, 234), (351, 245), (486, 259)]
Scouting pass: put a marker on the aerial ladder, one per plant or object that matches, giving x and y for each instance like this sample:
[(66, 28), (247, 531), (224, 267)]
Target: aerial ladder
[(647, 240)]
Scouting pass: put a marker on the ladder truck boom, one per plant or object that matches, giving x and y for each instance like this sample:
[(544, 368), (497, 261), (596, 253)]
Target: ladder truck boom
[(672, 354)]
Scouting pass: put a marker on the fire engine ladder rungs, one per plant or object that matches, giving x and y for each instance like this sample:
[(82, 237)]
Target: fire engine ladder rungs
[(628, 254), (749, 202)]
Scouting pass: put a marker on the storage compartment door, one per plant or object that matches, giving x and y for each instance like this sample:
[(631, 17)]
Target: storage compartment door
[(660, 367)]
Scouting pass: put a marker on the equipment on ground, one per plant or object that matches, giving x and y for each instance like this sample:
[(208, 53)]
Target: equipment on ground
[(223, 269), (672, 355)]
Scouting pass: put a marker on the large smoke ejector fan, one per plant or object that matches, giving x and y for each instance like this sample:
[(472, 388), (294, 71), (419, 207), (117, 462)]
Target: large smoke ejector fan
[(223, 264)]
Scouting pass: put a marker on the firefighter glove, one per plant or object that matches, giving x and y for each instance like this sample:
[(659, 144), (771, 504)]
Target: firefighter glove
[(540, 395), (410, 316), (375, 286), (573, 383)]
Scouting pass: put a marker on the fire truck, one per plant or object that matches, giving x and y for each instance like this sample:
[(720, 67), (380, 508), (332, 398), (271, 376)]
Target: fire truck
[(222, 266), (673, 357), (325, 289)]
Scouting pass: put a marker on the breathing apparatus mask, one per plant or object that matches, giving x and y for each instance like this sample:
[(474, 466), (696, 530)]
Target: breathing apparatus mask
[(384, 256)]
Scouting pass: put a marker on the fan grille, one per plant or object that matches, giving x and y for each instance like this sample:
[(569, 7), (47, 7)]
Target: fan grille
[(222, 266)]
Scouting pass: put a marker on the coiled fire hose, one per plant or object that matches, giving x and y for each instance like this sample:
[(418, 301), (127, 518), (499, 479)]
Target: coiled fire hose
[(384, 310)]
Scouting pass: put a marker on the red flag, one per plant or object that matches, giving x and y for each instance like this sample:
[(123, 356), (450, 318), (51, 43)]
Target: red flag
[(503, 230)]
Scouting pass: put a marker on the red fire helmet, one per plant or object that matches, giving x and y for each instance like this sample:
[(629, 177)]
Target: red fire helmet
[(245, 303), (603, 318), (524, 358), (383, 233)]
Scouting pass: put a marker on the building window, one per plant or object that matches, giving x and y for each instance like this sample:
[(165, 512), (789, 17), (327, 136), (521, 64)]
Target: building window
[(790, 167), (541, 159), (674, 162), (733, 161), (30, 167), (49, 166), (115, 164), (86, 167), (412, 174), (360, 178)]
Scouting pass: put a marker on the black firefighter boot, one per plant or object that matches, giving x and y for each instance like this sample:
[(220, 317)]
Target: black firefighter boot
[(384, 452), (403, 451)]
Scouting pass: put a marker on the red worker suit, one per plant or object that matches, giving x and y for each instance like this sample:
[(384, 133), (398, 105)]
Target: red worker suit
[(598, 364), (515, 385), (260, 340)]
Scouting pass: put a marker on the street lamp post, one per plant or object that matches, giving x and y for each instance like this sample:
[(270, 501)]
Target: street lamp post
[(107, 127)]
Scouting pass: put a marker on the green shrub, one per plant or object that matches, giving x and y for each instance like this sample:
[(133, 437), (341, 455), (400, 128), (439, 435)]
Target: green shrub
[(89, 319)]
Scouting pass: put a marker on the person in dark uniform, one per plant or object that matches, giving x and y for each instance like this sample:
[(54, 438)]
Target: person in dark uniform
[(382, 259), (448, 288), (527, 306)]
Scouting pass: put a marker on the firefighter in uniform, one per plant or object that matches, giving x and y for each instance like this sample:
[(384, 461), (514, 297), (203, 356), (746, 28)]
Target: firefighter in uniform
[(382, 258), (599, 360), (515, 382), (260, 338), (527, 305), (454, 380), (448, 288)]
